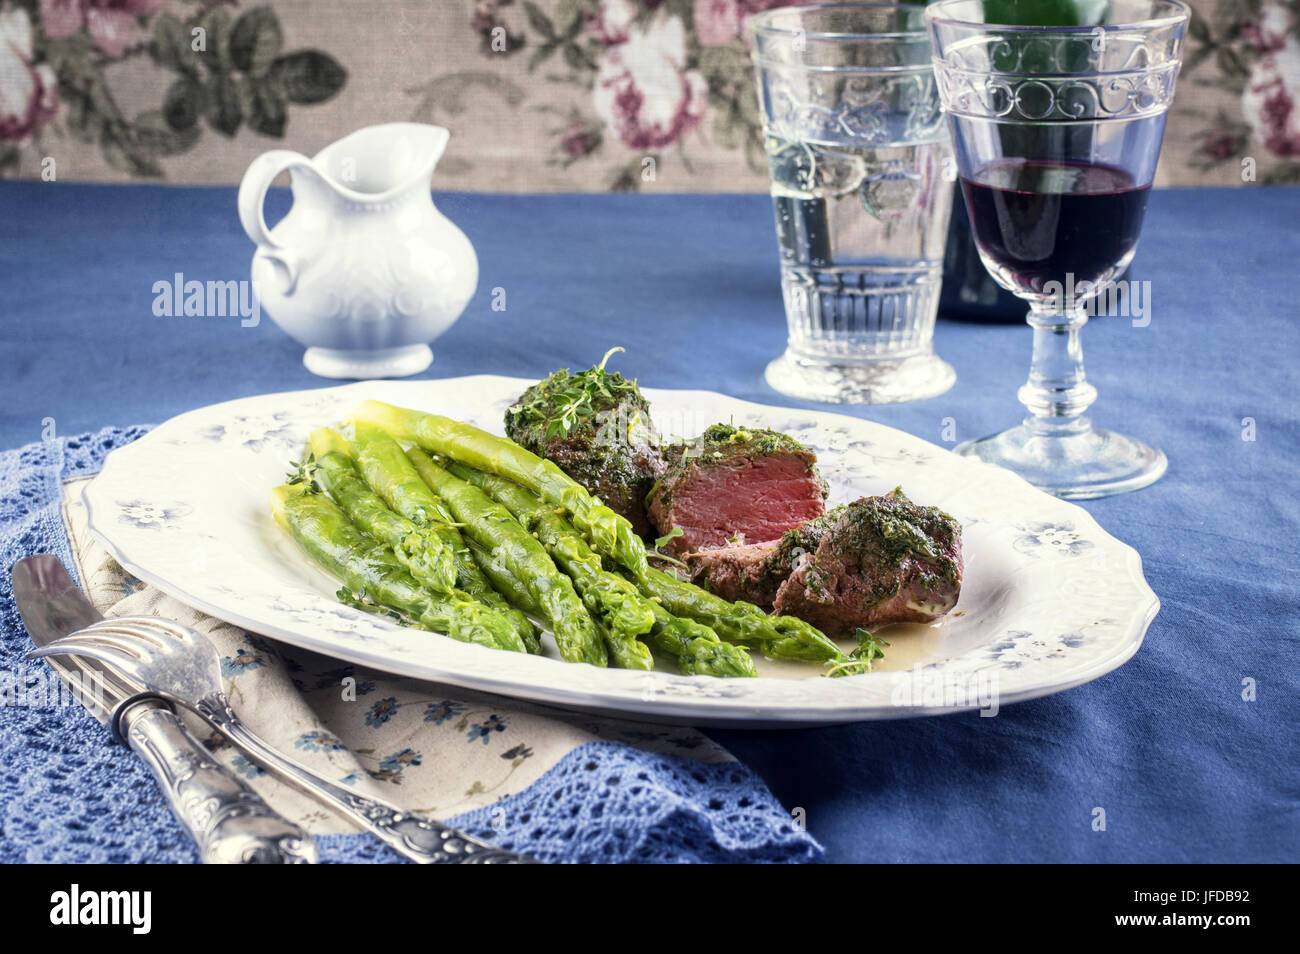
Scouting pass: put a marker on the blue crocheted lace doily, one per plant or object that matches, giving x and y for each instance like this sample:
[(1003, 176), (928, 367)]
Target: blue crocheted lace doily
[(69, 793)]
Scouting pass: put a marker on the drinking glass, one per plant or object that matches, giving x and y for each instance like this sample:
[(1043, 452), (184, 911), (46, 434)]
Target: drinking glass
[(861, 174), (1056, 132)]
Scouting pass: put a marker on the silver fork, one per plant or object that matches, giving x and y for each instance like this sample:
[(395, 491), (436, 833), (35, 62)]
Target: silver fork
[(180, 664)]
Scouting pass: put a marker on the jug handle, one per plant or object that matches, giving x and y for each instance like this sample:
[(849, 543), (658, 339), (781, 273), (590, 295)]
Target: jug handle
[(252, 195)]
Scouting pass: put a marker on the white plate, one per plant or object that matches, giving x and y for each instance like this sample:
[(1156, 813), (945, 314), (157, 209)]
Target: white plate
[(1049, 599)]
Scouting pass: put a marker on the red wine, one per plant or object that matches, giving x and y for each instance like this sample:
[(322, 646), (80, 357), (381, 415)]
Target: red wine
[(1037, 221)]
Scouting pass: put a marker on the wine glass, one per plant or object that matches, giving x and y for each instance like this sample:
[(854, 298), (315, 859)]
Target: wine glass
[(1057, 131)]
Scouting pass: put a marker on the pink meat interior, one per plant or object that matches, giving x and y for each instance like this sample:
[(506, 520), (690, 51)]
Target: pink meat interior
[(757, 500)]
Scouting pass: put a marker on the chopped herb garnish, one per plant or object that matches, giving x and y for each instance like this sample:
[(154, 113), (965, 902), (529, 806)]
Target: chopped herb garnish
[(859, 661), (304, 472), (564, 402)]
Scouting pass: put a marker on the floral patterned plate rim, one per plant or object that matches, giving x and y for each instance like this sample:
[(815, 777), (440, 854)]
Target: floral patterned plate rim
[(1049, 601)]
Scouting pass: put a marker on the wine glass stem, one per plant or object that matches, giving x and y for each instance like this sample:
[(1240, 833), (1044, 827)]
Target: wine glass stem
[(1057, 392)]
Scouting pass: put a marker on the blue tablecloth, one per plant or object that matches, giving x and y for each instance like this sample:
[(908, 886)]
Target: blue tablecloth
[(1185, 767)]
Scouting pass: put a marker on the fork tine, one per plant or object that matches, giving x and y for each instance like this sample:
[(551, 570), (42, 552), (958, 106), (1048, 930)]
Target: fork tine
[(126, 632), (122, 661), (141, 643), (155, 624), (177, 630), (85, 637), (125, 624)]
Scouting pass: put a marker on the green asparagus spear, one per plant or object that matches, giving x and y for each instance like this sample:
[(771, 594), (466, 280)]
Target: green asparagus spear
[(617, 600), (491, 526), (386, 470), (612, 599), (698, 650), (367, 566), (419, 548), (781, 637), (610, 534), (504, 581)]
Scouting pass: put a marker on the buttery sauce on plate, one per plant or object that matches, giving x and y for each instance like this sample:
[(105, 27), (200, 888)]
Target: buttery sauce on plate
[(909, 644)]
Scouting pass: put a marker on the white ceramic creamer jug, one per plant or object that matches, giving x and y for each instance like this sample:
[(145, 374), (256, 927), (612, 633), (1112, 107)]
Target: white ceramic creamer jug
[(364, 270)]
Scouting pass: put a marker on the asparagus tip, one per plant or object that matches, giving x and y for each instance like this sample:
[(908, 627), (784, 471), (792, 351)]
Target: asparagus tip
[(326, 440), (280, 495)]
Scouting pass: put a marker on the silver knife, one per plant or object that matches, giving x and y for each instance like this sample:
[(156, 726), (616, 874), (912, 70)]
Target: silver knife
[(228, 820)]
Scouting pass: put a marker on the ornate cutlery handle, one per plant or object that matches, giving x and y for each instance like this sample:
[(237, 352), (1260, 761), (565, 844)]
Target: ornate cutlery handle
[(417, 838), (228, 820)]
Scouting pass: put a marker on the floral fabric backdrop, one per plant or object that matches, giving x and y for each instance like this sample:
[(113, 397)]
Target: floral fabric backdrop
[(540, 95)]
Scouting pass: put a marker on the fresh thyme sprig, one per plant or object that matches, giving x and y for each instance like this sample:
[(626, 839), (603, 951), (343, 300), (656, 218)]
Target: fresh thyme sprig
[(304, 472), (563, 401), (870, 648)]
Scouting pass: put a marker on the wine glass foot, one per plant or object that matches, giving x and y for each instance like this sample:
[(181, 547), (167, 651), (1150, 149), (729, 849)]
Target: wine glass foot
[(1081, 465), (886, 381)]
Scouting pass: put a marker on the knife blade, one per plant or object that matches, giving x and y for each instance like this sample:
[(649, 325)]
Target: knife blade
[(228, 821)]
